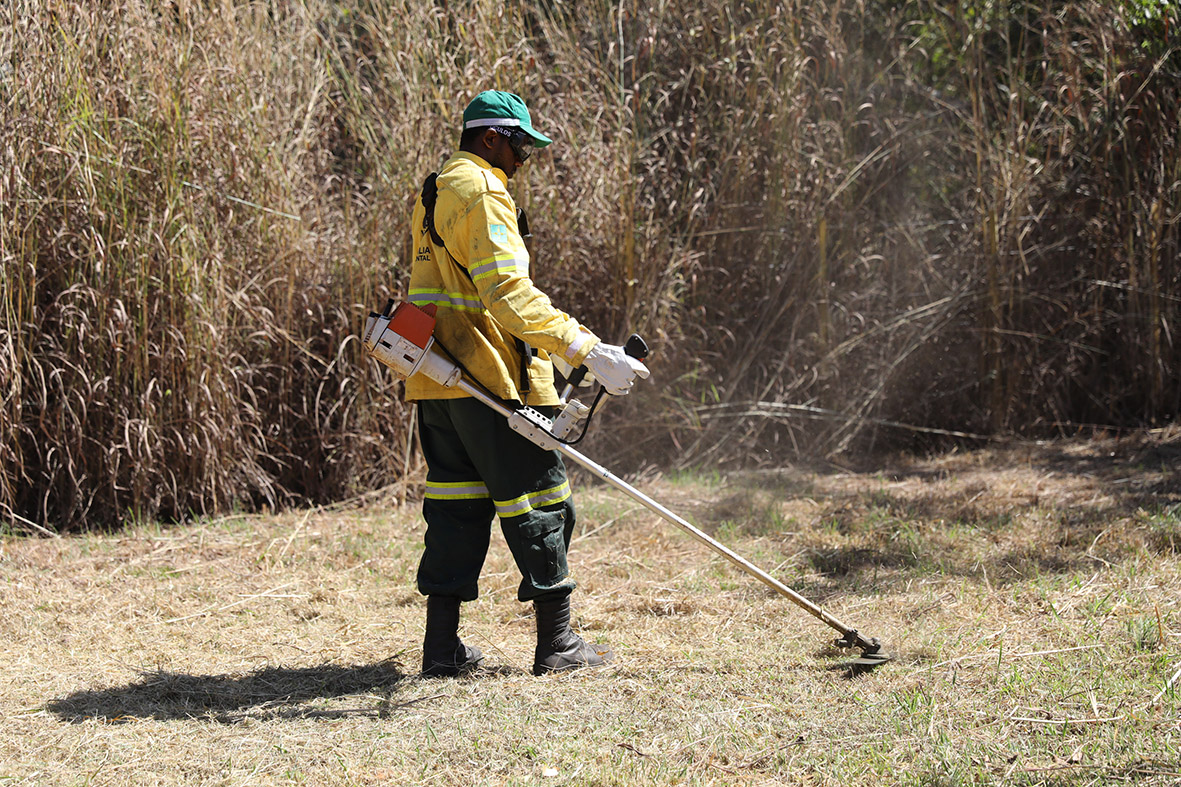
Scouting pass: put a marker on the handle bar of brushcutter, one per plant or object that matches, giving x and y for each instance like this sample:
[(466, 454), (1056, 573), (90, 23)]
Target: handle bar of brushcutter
[(635, 346)]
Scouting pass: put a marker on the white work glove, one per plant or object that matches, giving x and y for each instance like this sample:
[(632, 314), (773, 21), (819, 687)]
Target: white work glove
[(614, 368)]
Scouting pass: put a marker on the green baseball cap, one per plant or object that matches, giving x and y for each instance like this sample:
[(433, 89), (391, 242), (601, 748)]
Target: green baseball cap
[(497, 108)]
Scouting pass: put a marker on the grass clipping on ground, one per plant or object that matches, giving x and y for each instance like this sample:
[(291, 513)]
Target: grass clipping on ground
[(1028, 594)]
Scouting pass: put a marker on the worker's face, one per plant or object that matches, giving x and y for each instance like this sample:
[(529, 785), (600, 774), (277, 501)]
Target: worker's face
[(503, 153)]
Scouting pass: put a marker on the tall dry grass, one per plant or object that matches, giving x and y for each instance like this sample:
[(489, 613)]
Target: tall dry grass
[(181, 275), (961, 217), (826, 217)]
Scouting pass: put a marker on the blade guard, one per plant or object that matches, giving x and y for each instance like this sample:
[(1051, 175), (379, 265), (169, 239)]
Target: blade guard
[(403, 341)]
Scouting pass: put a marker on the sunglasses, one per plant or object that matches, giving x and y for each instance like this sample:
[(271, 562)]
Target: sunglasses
[(519, 141)]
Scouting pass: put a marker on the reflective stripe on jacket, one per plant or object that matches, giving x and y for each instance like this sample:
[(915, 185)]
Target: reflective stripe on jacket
[(484, 294)]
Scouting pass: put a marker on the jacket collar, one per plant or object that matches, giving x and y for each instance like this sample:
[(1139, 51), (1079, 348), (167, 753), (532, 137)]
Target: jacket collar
[(482, 164)]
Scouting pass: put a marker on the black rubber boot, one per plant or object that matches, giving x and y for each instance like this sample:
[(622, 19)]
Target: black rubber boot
[(559, 648), (443, 655)]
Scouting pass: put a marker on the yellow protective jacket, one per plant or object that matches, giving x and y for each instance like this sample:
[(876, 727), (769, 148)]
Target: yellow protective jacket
[(480, 281)]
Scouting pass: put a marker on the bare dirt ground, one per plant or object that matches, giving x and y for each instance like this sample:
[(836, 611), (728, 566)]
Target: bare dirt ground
[(1029, 594)]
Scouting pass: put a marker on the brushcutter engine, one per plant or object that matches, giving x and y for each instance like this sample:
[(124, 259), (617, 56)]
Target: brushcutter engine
[(403, 341)]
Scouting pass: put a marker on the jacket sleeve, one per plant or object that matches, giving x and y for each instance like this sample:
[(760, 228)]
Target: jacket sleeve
[(499, 268)]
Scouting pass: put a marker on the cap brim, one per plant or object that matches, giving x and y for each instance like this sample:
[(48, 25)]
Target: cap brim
[(539, 140)]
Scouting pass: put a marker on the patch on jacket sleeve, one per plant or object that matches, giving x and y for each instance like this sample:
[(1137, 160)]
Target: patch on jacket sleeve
[(498, 233)]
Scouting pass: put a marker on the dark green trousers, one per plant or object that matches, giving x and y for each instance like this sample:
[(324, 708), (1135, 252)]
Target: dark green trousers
[(478, 468)]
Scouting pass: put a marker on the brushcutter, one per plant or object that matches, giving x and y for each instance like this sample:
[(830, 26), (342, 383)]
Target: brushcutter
[(402, 339)]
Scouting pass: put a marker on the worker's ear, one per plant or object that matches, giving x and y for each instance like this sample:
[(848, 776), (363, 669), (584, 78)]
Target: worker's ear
[(489, 139)]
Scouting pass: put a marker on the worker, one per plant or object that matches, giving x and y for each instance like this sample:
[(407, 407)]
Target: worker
[(471, 262)]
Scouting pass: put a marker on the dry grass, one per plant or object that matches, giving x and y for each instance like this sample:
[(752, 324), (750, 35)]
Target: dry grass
[(1029, 594), (959, 216)]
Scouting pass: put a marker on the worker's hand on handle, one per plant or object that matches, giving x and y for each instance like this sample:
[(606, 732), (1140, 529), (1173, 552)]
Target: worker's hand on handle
[(614, 368)]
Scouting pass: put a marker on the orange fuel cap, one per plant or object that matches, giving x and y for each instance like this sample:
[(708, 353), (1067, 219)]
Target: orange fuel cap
[(413, 324)]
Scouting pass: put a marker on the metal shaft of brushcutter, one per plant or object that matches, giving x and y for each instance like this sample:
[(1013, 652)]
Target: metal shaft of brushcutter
[(852, 637)]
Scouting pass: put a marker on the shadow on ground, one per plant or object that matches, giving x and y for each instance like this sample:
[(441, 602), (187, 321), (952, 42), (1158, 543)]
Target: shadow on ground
[(1134, 473), (268, 693), (1003, 514)]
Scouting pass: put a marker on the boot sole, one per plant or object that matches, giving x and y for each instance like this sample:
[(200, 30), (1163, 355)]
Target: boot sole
[(605, 659), (452, 670)]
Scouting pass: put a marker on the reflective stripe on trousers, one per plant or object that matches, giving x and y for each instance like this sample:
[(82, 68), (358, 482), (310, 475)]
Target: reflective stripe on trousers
[(518, 506)]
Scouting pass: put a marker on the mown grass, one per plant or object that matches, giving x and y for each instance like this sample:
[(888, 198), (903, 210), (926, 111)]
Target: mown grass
[(282, 649)]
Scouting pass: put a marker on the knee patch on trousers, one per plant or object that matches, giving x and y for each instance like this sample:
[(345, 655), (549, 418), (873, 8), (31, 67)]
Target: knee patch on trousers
[(538, 543)]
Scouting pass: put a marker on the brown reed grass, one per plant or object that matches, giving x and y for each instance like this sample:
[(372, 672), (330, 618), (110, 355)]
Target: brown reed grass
[(956, 217)]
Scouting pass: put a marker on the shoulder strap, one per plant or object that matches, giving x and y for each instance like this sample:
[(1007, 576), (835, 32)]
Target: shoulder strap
[(523, 224), (430, 195)]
